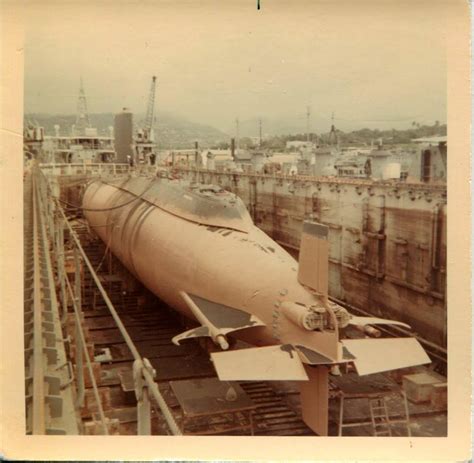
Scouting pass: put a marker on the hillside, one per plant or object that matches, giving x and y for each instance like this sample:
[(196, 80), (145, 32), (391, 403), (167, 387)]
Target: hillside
[(391, 137), (361, 137), (296, 124)]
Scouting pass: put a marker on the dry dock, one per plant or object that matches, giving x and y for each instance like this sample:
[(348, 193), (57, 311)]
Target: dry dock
[(379, 246)]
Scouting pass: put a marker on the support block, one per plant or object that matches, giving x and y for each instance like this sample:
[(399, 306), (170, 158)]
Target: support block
[(419, 387), (400, 373)]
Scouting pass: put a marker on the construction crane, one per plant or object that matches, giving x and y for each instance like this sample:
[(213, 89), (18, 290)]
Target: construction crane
[(151, 107), (145, 136)]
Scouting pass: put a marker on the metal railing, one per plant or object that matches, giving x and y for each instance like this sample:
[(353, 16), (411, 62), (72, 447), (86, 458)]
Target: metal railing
[(81, 349), (85, 169), (143, 373), (98, 169), (46, 397), (125, 169), (298, 178), (38, 413)]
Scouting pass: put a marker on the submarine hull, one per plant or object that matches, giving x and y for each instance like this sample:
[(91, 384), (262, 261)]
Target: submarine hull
[(240, 268)]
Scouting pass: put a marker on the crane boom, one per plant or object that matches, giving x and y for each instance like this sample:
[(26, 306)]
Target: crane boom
[(151, 106)]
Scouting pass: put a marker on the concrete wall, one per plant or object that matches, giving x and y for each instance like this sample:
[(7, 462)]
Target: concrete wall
[(387, 240)]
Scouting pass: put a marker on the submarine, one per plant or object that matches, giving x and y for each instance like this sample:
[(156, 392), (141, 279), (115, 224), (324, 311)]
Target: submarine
[(196, 247)]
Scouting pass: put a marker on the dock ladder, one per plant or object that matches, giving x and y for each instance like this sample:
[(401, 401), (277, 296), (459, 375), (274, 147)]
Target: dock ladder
[(350, 389), (379, 415)]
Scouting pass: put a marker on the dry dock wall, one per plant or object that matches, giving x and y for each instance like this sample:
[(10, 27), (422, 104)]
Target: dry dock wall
[(387, 240)]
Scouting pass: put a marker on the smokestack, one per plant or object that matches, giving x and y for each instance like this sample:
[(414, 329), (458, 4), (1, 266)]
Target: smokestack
[(123, 132), (232, 148)]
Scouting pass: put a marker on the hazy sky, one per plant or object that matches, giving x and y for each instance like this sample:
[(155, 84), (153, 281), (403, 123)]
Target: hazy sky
[(380, 65)]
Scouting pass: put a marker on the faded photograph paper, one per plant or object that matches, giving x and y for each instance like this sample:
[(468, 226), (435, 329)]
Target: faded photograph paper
[(228, 234)]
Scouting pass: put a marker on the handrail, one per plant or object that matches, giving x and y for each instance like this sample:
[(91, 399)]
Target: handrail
[(82, 168), (274, 176), (44, 353), (80, 164), (314, 179), (136, 355), (96, 169), (88, 359), (38, 419)]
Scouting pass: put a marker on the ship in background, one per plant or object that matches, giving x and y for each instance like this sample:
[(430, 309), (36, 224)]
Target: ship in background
[(82, 143)]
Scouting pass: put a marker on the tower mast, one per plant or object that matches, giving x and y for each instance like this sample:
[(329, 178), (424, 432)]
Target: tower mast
[(82, 118)]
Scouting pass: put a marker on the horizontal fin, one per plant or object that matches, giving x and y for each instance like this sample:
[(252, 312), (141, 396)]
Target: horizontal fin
[(377, 355), (271, 363), (223, 317), (217, 320)]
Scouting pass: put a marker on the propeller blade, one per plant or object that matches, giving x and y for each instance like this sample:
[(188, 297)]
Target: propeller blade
[(363, 321)]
